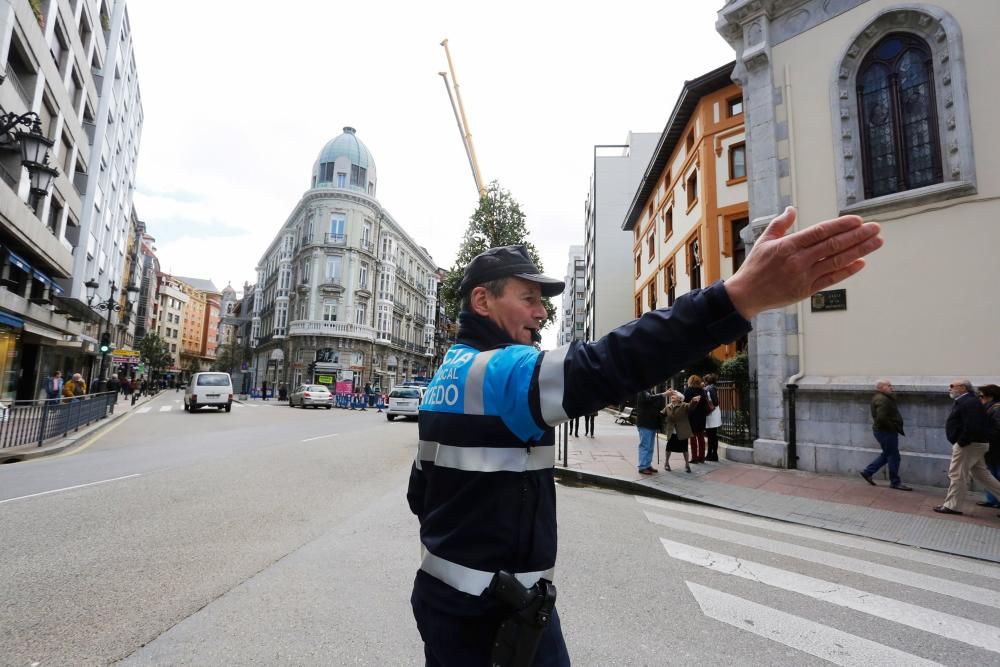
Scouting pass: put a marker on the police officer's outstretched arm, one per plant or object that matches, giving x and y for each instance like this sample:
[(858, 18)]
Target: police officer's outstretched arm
[(780, 270)]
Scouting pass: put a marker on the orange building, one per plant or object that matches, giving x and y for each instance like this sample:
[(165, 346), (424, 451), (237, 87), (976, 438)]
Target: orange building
[(691, 204), (200, 328)]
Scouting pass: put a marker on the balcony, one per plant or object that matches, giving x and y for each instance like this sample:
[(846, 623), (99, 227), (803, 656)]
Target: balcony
[(367, 246), (335, 239), (324, 328), (331, 285)]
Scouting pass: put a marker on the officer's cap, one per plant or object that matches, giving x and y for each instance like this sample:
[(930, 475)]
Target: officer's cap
[(506, 262)]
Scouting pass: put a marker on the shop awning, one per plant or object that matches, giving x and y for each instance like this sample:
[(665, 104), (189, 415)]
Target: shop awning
[(11, 320)]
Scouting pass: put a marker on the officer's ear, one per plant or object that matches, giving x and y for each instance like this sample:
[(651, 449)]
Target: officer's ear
[(479, 300)]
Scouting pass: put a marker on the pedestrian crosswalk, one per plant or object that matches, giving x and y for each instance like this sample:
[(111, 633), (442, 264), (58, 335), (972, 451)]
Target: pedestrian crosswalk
[(179, 406), (964, 594)]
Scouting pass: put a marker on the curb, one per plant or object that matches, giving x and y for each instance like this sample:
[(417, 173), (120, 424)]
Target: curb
[(619, 484)]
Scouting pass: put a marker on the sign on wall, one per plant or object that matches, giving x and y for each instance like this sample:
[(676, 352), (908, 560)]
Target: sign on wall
[(835, 299)]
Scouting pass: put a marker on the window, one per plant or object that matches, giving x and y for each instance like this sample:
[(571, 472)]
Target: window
[(738, 161), (326, 172), (689, 141), (670, 284), (363, 276), (360, 313), (734, 106), (692, 189), (338, 222), (333, 269), (899, 138), (739, 247), (638, 306), (341, 179), (357, 358), (651, 242), (668, 222), (366, 234), (330, 311), (306, 271), (694, 262), (358, 175), (651, 293), (638, 264)]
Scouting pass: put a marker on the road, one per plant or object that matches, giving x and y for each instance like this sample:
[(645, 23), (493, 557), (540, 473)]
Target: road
[(277, 536)]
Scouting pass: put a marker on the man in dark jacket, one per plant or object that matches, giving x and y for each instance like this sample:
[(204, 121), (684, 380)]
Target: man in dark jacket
[(647, 420), (887, 426), (968, 428), (482, 484)]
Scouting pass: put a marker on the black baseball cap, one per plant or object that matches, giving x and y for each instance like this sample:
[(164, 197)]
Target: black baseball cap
[(506, 262)]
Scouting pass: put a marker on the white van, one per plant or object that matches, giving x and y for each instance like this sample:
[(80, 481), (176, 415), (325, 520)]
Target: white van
[(214, 389)]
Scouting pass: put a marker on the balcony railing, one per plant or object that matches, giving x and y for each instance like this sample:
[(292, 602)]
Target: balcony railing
[(336, 239), (367, 246), (324, 328)]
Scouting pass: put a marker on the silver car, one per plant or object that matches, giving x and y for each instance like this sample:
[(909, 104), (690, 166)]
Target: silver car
[(404, 402), (315, 395)]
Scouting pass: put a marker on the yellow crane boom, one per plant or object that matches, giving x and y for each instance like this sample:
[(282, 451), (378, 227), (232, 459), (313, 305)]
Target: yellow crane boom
[(460, 119)]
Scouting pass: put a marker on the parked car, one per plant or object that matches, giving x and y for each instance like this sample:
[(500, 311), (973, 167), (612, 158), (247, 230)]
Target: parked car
[(404, 401), (316, 395), (211, 389)]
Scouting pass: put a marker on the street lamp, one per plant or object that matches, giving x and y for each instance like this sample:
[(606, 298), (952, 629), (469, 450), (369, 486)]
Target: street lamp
[(26, 131), (109, 306)]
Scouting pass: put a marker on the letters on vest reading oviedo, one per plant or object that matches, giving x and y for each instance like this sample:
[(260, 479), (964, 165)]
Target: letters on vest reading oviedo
[(445, 388)]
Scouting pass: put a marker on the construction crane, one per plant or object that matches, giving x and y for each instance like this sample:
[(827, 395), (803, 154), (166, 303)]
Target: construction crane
[(463, 124)]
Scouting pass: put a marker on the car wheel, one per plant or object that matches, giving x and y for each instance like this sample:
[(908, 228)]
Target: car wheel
[(229, 407), (193, 406), (290, 404), (390, 417), (328, 407), (187, 408)]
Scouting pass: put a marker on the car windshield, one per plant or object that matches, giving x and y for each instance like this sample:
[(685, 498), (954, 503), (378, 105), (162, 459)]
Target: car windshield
[(405, 393), (213, 380), (317, 387)]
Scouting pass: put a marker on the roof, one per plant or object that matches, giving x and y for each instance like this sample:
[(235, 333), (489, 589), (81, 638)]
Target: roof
[(691, 94), (199, 284), (345, 145)]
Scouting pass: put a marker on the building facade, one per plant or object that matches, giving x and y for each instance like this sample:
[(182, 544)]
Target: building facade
[(691, 204), (617, 172), (573, 313), (170, 314), (343, 292), (200, 329), (72, 64), (882, 109)]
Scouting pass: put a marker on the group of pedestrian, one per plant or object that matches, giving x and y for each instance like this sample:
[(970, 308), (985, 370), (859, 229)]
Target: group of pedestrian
[(972, 428), (689, 420)]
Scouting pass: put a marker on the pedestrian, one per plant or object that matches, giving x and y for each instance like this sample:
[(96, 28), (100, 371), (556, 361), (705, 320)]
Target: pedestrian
[(369, 395), (697, 415), (574, 427), (714, 418), (143, 387), (968, 429), (54, 385), (128, 386), (647, 421), (114, 384), (283, 392), (989, 395), (588, 423), (887, 426), (677, 427), (263, 389), (75, 389), (482, 484)]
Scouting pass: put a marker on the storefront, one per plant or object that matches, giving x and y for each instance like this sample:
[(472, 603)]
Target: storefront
[(10, 346)]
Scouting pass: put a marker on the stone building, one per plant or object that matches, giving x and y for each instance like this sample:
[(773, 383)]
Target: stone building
[(343, 292), (882, 109), (573, 313)]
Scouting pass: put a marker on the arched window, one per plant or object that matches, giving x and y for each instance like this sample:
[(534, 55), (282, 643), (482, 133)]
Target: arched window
[(899, 130)]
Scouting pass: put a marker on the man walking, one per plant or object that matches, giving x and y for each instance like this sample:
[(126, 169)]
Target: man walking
[(887, 426), (647, 420), (968, 428)]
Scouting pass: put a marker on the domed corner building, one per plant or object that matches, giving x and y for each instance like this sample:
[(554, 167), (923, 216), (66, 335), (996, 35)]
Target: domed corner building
[(343, 293)]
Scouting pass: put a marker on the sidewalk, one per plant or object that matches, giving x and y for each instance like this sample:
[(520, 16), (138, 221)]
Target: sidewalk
[(24, 452), (841, 504)]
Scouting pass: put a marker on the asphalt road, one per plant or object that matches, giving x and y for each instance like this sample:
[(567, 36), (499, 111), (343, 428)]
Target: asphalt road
[(278, 536)]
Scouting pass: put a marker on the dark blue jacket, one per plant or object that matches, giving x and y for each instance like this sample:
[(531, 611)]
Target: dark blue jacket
[(482, 484), (968, 421)]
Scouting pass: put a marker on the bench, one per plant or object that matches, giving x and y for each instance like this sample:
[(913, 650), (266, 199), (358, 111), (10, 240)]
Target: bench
[(624, 417)]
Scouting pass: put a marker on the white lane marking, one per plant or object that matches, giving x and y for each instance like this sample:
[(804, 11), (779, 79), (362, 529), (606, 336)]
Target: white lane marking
[(896, 575), (166, 408), (822, 641), (142, 411), (320, 437), (869, 544), (945, 625), (68, 488)]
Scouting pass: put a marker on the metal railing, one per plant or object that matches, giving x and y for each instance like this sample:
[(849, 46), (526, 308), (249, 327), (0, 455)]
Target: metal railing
[(34, 422), (738, 403)]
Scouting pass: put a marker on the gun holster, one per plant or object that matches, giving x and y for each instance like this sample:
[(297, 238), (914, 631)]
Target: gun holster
[(518, 636)]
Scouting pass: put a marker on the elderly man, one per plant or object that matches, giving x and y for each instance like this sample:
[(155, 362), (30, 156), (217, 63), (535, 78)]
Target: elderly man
[(482, 484), (968, 429), (887, 426)]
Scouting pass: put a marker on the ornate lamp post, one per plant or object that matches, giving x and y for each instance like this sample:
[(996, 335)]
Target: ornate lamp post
[(109, 306), (26, 131)]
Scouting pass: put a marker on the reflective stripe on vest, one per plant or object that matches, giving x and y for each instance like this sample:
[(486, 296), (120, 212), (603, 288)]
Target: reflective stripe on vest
[(551, 386), (486, 459), (468, 580), (474, 381)]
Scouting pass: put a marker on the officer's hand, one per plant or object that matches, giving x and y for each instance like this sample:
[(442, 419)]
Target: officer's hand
[(782, 270)]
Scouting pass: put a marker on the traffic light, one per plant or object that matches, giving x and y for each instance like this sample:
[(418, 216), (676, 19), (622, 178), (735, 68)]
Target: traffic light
[(105, 342)]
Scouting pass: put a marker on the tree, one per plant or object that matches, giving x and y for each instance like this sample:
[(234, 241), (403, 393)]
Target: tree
[(497, 221), (228, 358), (155, 352)]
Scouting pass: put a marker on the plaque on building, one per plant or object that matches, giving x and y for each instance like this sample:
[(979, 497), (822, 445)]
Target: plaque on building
[(835, 299)]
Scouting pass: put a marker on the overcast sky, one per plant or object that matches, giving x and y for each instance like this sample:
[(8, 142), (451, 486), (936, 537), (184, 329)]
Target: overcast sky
[(240, 98)]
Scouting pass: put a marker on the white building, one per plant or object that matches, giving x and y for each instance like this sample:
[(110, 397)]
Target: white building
[(343, 292), (618, 169), (573, 313)]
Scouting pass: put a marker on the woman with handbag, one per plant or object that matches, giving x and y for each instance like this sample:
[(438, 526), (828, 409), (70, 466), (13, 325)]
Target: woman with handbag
[(677, 427), (714, 419), (697, 415)]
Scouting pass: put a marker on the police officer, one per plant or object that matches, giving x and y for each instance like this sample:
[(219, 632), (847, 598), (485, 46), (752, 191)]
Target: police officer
[(482, 483)]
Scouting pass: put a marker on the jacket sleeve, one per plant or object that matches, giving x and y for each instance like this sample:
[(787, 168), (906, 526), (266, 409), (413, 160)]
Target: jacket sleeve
[(415, 491), (582, 377)]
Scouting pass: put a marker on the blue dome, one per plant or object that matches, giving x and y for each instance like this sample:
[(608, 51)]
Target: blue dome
[(346, 149)]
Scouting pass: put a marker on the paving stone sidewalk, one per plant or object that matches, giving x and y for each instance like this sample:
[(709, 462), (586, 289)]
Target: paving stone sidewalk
[(842, 504)]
